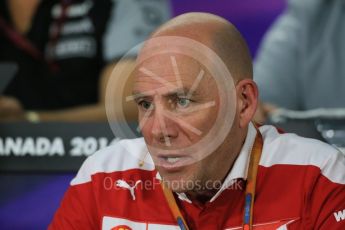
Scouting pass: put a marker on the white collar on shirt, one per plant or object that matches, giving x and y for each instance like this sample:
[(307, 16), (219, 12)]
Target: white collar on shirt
[(239, 169)]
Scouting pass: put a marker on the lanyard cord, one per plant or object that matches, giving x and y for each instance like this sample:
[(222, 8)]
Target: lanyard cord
[(174, 208), (249, 194), (19, 40), (251, 181)]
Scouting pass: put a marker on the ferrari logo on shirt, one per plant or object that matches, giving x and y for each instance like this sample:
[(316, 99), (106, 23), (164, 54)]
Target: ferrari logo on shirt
[(121, 227), (115, 223)]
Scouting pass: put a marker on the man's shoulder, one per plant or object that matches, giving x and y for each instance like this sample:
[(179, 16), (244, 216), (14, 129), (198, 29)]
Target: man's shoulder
[(122, 156), (293, 150)]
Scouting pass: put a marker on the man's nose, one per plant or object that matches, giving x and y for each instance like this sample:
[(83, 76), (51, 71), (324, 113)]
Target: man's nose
[(163, 129)]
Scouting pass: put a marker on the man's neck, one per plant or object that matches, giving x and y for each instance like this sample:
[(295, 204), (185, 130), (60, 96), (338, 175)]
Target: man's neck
[(203, 196)]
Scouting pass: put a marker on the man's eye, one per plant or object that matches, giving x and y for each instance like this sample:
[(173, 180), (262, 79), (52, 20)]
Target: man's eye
[(146, 105), (183, 102)]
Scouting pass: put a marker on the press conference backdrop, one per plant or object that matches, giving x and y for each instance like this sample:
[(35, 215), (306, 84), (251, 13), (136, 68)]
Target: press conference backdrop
[(51, 147), (37, 162), (58, 147), (62, 147)]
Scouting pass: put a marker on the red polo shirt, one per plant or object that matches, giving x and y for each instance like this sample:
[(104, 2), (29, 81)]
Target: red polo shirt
[(300, 185)]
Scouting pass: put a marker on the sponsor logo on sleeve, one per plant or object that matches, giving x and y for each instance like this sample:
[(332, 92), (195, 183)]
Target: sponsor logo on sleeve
[(121, 227), (340, 215)]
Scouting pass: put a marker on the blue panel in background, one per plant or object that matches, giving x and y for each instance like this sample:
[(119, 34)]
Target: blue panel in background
[(251, 17), (29, 201)]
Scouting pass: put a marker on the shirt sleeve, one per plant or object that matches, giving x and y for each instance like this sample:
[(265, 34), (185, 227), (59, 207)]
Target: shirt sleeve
[(78, 208), (130, 23), (277, 63), (325, 207)]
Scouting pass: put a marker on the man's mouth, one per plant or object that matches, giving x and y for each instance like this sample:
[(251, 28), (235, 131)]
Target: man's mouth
[(172, 159), (172, 163)]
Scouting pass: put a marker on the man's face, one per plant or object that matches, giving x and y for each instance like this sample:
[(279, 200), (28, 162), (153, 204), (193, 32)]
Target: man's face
[(178, 103)]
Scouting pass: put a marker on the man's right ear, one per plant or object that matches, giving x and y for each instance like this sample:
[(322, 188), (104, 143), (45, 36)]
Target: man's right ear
[(247, 100)]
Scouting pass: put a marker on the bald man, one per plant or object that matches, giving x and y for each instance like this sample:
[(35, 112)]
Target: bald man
[(202, 163)]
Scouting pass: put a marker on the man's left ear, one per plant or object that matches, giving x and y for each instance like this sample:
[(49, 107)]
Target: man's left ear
[(247, 94)]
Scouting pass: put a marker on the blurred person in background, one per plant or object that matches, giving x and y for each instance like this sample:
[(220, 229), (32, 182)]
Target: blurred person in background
[(300, 64), (66, 50)]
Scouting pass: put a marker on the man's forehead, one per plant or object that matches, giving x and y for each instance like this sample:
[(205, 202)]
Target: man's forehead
[(169, 62), (171, 71), (170, 65)]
